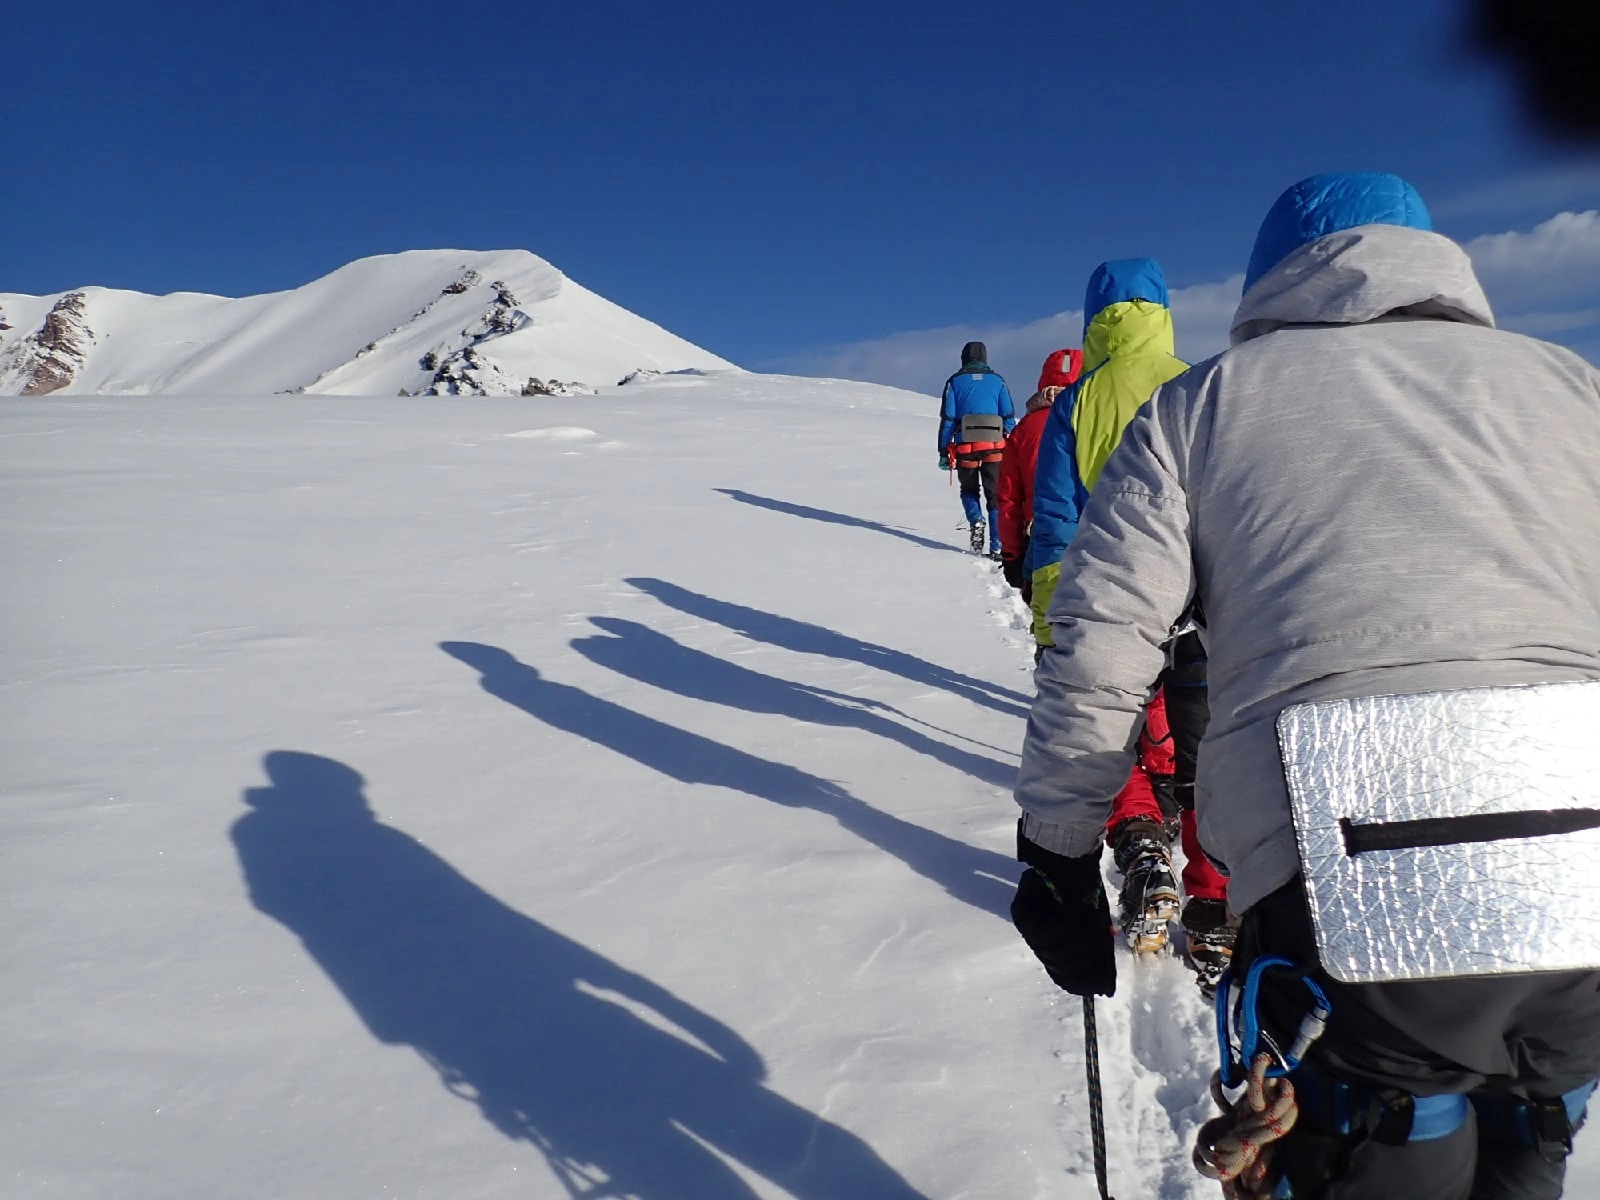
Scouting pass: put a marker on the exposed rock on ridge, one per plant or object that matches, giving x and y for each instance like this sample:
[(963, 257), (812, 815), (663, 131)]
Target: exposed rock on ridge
[(48, 359)]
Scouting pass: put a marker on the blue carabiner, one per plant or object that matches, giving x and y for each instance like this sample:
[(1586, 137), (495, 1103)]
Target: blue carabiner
[(1246, 1025)]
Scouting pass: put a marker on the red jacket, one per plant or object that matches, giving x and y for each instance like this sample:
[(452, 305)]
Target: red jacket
[(1014, 493)]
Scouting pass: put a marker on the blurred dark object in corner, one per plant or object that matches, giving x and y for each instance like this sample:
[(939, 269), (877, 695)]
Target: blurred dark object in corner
[(1554, 48)]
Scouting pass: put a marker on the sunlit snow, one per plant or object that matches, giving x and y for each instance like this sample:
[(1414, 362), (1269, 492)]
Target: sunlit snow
[(532, 797)]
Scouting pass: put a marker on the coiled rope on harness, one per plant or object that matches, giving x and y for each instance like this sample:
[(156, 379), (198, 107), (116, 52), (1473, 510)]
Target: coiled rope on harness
[(1236, 1148)]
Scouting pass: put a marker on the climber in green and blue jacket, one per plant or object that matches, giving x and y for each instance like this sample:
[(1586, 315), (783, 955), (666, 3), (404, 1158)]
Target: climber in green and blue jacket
[(1127, 354)]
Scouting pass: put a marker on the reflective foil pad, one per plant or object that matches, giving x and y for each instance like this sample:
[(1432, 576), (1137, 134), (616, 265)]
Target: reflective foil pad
[(1449, 833)]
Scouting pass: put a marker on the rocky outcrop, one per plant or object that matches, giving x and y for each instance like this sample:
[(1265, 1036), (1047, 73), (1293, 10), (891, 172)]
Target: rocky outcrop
[(468, 373), (50, 358), (554, 387), (460, 372), (469, 279), (646, 374)]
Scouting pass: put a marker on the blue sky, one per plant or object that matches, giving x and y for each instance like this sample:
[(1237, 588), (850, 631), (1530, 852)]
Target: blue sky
[(813, 186)]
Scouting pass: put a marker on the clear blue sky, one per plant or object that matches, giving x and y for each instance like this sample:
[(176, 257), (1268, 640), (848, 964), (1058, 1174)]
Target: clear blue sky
[(764, 179)]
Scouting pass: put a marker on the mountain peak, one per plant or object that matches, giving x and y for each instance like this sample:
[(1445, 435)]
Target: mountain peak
[(483, 322)]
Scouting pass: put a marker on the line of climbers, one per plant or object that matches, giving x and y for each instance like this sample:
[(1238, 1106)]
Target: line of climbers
[(1283, 587), (1044, 470)]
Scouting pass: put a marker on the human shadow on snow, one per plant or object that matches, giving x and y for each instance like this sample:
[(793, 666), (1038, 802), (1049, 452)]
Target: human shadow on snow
[(642, 653), (805, 638), (833, 518), (981, 878), (531, 1026)]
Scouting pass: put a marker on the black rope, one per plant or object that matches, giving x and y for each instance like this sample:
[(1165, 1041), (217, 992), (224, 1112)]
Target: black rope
[(1097, 1112)]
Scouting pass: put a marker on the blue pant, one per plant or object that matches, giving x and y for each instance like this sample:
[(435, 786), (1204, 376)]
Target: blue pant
[(987, 476)]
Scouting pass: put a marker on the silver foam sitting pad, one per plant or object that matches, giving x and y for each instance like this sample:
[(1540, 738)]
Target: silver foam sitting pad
[(1449, 833)]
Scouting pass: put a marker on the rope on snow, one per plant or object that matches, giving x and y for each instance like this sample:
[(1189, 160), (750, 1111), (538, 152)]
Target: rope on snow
[(1236, 1148), (1097, 1112)]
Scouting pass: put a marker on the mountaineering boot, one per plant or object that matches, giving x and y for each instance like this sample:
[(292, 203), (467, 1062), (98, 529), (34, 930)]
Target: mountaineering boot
[(1149, 891), (978, 536), (1209, 930)]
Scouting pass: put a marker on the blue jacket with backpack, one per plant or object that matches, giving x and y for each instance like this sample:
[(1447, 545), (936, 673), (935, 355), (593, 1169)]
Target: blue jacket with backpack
[(975, 391)]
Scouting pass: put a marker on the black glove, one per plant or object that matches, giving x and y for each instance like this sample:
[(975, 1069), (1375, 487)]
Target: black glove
[(1011, 568), (1061, 911)]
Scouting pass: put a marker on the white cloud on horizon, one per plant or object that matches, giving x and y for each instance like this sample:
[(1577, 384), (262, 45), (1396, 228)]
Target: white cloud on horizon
[(1558, 259), (1543, 281), (922, 359)]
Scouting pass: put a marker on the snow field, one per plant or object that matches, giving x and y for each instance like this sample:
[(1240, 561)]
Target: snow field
[(532, 798)]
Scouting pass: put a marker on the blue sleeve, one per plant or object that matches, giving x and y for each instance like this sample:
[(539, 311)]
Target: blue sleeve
[(1007, 409), (1056, 488), (947, 419)]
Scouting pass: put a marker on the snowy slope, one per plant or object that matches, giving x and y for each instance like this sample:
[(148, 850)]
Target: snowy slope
[(443, 799), (483, 322)]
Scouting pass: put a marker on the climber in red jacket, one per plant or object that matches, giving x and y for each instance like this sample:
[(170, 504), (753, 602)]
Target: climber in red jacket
[(1014, 494)]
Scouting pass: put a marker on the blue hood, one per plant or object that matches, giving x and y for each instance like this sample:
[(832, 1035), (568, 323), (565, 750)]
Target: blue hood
[(1123, 279), (1325, 204)]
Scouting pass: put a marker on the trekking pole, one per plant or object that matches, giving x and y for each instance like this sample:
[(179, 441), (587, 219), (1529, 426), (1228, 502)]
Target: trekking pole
[(1097, 1113)]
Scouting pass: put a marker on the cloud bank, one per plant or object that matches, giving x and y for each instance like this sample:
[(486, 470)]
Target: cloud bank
[(922, 359)]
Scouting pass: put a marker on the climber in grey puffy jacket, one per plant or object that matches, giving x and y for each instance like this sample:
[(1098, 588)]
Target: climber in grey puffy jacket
[(1375, 491)]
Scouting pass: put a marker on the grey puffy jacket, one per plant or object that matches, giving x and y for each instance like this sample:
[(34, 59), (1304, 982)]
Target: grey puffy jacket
[(1374, 492)]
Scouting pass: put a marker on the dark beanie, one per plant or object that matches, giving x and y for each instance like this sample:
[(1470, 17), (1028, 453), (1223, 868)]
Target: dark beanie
[(974, 352)]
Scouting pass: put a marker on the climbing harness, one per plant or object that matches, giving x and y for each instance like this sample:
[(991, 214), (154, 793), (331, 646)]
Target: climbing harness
[(1236, 1148)]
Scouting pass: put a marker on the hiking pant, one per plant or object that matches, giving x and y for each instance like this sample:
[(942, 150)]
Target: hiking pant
[(987, 476), (1174, 722), (1516, 1036)]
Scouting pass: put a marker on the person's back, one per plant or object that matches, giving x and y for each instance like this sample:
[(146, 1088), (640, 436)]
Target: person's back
[(1015, 491), (975, 418), (1381, 495), (1127, 354), (1397, 498), (1394, 497)]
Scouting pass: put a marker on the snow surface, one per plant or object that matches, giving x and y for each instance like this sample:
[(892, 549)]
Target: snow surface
[(461, 798), (361, 330)]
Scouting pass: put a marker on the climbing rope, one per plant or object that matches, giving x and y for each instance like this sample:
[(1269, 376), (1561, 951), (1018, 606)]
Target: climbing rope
[(1236, 1148), (1097, 1112)]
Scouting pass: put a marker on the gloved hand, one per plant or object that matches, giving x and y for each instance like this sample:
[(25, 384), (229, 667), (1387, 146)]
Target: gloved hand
[(1061, 911), (944, 463), (1011, 568)]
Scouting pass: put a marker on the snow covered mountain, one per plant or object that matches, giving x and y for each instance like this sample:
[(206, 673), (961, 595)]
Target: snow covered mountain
[(434, 322)]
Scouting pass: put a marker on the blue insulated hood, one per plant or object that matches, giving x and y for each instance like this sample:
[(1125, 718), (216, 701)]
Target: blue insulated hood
[(1325, 204), (1123, 279)]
